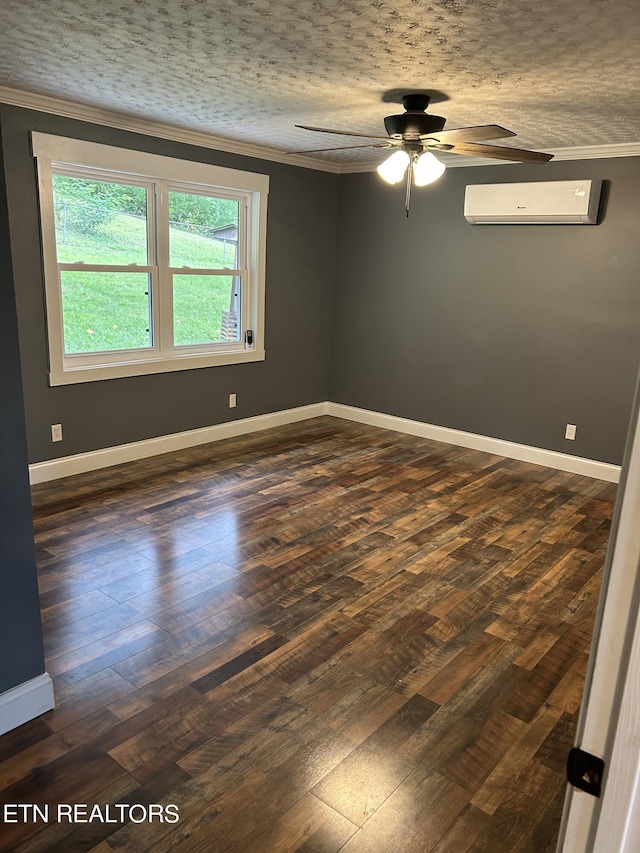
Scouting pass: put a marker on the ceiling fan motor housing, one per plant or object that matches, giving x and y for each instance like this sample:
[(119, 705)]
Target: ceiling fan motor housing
[(415, 121)]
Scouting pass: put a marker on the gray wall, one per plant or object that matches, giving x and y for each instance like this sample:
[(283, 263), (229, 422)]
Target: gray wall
[(21, 650), (505, 331), (299, 291)]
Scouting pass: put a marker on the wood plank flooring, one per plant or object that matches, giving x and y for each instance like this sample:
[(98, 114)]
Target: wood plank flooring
[(323, 637)]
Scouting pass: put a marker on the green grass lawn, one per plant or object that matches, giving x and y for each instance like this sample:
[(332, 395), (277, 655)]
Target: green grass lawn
[(106, 311)]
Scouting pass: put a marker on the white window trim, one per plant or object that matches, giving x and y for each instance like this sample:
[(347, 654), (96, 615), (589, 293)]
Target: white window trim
[(141, 166)]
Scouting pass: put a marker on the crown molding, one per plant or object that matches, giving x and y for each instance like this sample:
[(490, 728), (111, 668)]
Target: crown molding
[(598, 152), (133, 124), (122, 121)]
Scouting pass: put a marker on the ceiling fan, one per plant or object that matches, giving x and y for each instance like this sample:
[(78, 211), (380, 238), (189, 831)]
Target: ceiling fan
[(416, 135)]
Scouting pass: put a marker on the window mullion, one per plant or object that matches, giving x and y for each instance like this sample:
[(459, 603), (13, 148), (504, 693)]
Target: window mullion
[(164, 312)]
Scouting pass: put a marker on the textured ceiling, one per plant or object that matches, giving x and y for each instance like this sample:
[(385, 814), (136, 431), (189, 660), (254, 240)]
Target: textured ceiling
[(559, 73)]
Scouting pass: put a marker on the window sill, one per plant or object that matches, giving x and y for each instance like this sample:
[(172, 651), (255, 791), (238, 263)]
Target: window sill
[(76, 375)]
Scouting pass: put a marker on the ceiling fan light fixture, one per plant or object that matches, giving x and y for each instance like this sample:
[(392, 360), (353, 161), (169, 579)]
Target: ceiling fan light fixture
[(427, 169), (393, 168)]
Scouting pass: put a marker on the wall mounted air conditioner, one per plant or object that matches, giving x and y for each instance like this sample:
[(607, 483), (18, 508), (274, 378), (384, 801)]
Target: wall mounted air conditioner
[(562, 202)]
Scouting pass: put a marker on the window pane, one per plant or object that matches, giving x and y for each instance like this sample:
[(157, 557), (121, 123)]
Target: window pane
[(203, 231), (105, 311), (205, 309), (98, 222)]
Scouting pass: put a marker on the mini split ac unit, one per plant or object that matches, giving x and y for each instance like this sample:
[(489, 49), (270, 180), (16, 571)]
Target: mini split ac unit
[(561, 202)]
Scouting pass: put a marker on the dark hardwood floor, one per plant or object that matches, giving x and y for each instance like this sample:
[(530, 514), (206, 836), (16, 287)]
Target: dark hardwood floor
[(323, 637)]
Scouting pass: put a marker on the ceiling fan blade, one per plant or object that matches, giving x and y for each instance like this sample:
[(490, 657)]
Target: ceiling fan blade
[(469, 134), (387, 144), (342, 132), (497, 152)]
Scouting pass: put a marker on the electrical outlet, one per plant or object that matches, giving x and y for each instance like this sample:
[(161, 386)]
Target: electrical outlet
[(232, 401), (56, 432), (570, 431)]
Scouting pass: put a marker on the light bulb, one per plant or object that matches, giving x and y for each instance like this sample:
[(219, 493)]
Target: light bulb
[(394, 167), (427, 169)]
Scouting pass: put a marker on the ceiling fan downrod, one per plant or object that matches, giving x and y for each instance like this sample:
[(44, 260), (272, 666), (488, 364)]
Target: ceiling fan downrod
[(407, 198)]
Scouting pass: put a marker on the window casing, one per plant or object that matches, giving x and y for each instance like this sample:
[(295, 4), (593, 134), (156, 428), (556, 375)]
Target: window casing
[(148, 289)]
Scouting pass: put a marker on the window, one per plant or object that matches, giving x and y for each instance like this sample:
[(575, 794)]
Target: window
[(151, 264)]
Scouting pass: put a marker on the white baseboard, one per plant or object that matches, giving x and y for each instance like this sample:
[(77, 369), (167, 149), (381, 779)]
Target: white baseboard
[(498, 446), (26, 701), (54, 469)]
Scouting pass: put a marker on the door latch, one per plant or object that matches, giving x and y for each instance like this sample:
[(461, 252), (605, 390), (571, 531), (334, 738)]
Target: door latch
[(585, 771)]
